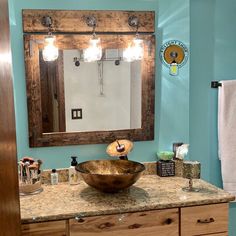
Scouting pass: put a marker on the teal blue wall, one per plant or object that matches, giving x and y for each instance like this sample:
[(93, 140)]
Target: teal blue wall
[(172, 109), (212, 37)]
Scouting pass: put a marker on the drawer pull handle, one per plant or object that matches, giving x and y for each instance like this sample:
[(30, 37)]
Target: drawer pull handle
[(105, 225), (142, 214), (206, 221), (168, 221), (134, 226), (79, 219)]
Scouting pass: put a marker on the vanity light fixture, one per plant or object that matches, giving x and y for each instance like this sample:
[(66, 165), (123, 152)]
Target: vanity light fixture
[(135, 49), (50, 51), (94, 51)]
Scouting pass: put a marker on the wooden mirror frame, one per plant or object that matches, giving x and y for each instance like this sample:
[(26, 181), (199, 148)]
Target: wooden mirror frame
[(33, 42)]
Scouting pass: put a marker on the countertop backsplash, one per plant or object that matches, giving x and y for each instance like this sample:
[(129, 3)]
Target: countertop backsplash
[(63, 174)]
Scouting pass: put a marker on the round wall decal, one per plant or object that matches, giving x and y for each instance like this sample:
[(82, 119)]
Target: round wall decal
[(174, 51)]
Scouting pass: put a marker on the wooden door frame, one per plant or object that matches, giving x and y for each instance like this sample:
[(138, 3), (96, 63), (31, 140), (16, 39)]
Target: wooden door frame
[(52, 78), (9, 197)]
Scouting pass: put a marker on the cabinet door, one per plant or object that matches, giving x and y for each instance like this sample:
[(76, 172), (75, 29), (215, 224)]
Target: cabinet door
[(149, 223), (53, 228), (203, 220)]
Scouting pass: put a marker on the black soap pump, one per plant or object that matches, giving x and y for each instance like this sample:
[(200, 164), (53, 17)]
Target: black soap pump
[(73, 174)]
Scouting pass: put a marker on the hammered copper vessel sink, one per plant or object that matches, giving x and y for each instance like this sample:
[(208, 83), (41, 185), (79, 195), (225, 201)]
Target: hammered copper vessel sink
[(110, 175)]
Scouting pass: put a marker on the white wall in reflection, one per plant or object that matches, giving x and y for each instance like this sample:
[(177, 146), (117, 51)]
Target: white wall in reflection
[(109, 94)]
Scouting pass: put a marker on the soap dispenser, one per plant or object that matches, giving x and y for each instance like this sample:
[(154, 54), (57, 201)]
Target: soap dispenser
[(73, 174)]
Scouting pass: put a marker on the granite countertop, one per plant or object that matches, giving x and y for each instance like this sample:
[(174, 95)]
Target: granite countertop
[(64, 201)]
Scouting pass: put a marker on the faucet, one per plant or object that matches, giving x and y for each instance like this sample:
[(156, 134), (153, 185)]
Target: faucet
[(124, 157), (121, 148)]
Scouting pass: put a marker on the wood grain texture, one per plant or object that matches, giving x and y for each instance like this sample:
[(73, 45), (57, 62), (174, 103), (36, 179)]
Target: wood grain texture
[(161, 222), (9, 197), (206, 219), (53, 228), (47, 97), (217, 234), (33, 43), (52, 94), (61, 93), (74, 21)]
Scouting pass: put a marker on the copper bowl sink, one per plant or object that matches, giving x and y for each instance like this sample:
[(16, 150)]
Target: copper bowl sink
[(110, 175)]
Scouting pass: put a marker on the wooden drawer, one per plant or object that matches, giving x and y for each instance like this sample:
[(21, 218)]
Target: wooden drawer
[(205, 219), (150, 223), (53, 228)]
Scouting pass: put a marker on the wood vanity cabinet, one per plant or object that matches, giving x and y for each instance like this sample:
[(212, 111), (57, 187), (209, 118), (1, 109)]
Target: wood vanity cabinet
[(149, 223), (204, 220), (217, 234), (50, 228), (207, 220)]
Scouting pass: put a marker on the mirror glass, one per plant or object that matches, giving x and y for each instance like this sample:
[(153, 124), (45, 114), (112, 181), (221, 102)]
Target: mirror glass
[(90, 96)]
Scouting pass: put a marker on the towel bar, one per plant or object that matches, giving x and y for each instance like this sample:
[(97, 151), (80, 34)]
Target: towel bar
[(215, 84)]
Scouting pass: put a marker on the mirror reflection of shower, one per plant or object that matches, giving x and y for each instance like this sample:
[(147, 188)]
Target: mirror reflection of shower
[(108, 55), (98, 87), (100, 77)]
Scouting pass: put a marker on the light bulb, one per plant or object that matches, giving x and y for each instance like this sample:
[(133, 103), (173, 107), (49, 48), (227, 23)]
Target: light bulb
[(174, 69), (94, 51), (50, 51), (137, 49), (128, 54)]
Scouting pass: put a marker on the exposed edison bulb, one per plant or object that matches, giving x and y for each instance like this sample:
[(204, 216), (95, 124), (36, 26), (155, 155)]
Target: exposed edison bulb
[(94, 51), (135, 51), (128, 54), (50, 51), (174, 69), (138, 49)]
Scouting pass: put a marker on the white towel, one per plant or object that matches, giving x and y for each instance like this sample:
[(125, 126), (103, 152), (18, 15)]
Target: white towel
[(227, 134)]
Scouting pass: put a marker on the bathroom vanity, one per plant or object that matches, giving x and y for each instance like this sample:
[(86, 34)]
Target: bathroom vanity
[(152, 206)]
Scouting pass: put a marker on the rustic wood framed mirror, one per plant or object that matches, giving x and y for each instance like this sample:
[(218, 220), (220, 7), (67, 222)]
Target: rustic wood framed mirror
[(71, 101)]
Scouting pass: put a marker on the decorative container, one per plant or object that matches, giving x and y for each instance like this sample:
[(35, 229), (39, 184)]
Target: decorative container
[(165, 168), (191, 169), (28, 189), (165, 155), (178, 167)]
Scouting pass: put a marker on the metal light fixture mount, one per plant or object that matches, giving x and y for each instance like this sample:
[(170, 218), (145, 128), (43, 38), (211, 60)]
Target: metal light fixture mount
[(91, 21), (47, 22), (133, 21)]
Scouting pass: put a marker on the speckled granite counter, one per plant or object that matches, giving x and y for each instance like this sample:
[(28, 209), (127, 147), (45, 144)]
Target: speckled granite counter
[(151, 192)]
